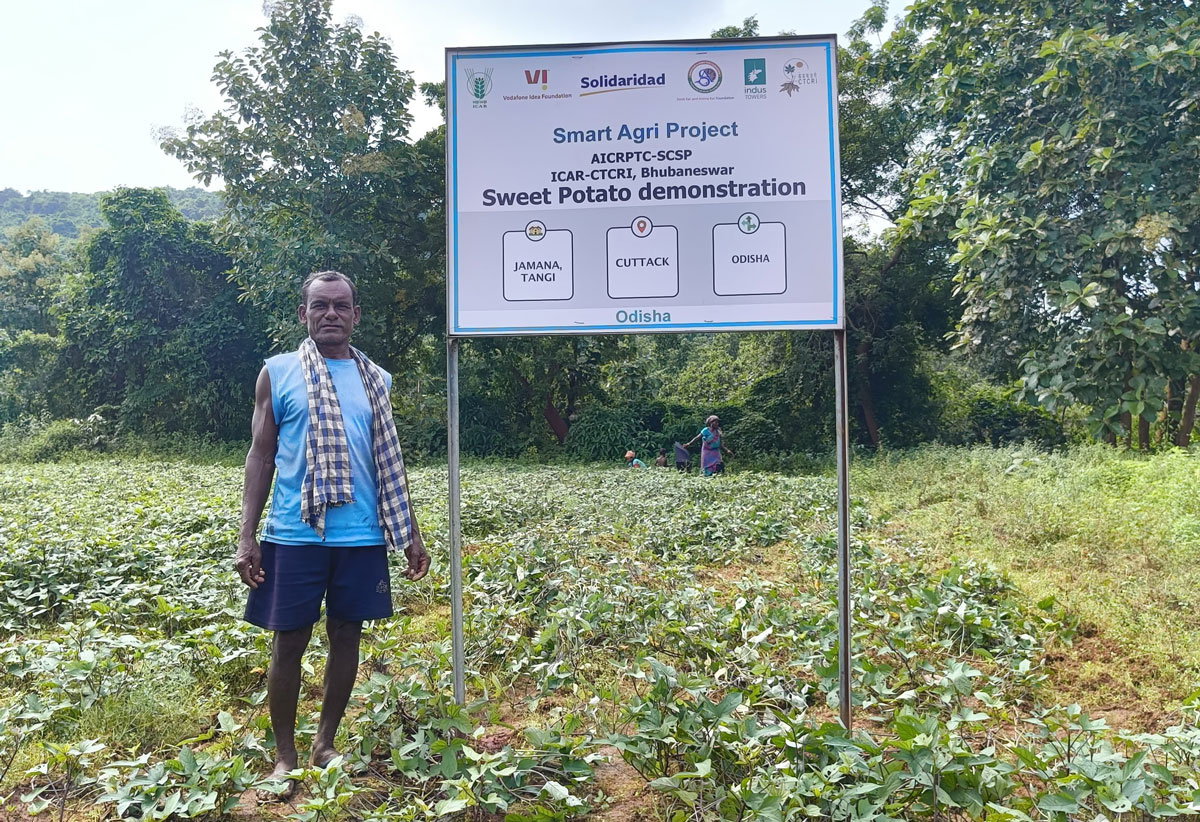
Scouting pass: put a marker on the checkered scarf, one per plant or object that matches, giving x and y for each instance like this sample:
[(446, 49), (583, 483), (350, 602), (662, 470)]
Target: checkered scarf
[(327, 478)]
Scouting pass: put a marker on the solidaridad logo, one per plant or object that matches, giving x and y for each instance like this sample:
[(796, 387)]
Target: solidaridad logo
[(704, 76)]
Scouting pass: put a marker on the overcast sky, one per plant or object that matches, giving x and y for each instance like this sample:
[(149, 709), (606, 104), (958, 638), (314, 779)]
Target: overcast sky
[(84, 84)]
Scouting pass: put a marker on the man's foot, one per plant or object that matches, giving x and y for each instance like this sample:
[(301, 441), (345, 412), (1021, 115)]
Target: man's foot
[(322, 755), (280, 787)]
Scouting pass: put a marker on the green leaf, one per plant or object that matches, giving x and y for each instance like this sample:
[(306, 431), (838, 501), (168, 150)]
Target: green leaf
[(1058, 803), (446, 807), (555, 791)]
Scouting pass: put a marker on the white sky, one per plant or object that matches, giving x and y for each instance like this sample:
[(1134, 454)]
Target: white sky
[(85, 83)]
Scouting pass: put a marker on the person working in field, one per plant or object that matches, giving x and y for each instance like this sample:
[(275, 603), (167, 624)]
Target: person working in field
[(711, 446), (683, 460), (631, 460), (323, 428)]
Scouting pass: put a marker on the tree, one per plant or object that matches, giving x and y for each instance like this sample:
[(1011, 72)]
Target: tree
[(312, 145), (897, 290), (532, 387), (152, 325), (30, 270), (748, 28), (30, 263), (1063, 145), (27, 373)]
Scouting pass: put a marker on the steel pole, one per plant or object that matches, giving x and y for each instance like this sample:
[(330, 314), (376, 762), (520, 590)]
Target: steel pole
[(456, 612), (843, 525)]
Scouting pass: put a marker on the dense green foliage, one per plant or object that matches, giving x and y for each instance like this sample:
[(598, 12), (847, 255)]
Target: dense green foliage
[(152, 327), (1063, 139), (1024, 226), (687, 624), (71, 215), (312, 146), (138, 323)]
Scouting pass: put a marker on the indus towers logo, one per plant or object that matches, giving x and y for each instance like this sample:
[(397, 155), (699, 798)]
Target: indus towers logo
[(754, 78), (479, 85)]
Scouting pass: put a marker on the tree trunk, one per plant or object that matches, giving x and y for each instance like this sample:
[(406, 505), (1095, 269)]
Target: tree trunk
[(573, 387), (1188, 420), (1172, 411), (1143, 433), (862, 362), (557, 424), (1126, 417)]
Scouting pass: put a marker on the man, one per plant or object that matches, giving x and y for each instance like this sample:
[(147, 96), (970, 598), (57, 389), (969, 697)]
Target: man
[(323, 428)]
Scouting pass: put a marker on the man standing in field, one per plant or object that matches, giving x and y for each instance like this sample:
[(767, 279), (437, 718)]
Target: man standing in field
[(323, 428)]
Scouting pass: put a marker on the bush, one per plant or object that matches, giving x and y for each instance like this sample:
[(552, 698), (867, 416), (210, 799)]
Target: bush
[(752, 434), (37, 440), (990, 415), (602, 433), (28, 362)]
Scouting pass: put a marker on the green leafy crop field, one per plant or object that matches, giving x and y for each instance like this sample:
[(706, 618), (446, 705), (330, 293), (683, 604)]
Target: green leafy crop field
[(640, 645)]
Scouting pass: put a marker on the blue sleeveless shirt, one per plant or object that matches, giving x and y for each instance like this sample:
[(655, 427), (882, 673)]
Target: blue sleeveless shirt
[(356, 523)]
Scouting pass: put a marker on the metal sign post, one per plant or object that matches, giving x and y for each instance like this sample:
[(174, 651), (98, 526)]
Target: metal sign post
[(456, 612), (640, 188), (842, 426)]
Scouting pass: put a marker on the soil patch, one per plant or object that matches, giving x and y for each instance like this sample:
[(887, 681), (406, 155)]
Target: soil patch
[(631, 799), (1101, 675)]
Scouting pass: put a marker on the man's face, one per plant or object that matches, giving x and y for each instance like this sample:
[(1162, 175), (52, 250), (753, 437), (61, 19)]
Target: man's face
[(330, 313)]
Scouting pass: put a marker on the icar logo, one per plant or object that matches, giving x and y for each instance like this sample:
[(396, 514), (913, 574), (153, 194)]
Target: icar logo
[(479, 83)]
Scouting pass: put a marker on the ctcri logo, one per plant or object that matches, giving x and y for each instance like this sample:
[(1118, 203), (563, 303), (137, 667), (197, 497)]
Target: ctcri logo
[(704, 76), (797, 73)]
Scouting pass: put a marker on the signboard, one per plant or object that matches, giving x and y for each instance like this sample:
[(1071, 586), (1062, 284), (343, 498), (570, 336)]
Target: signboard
[(643, 187)]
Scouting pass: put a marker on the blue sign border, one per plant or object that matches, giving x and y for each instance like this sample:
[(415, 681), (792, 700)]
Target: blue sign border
[(454, 329)]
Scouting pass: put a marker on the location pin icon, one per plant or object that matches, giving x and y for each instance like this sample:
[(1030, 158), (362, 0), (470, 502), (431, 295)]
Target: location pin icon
[(641, 226)]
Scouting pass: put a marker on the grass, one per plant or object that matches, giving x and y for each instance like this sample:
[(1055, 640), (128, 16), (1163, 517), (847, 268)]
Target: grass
[(1113, 536)]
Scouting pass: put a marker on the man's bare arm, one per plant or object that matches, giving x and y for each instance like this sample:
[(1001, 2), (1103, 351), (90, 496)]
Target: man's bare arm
[(260, 470)]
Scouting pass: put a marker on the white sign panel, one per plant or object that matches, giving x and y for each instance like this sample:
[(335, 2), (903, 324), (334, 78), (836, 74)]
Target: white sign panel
[(643, 187)]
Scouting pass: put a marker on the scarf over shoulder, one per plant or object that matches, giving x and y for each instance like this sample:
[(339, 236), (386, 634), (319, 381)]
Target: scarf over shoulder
[(327, 479)]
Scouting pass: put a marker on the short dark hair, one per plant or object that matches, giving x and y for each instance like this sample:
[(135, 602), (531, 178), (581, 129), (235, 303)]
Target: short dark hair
[(327, 276)]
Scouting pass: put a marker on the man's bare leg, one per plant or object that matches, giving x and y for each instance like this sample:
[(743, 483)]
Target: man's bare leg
[(283, 694), (341, 669)]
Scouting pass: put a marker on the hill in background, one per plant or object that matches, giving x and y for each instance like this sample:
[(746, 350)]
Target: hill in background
[(68, 213)]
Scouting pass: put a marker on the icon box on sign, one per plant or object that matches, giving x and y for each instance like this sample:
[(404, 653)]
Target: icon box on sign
[(539, 264), (749, 257), (754, 71), (643, 260)]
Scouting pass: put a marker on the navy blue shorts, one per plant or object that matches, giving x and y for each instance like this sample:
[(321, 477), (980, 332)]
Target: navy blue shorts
[(353, 582)]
